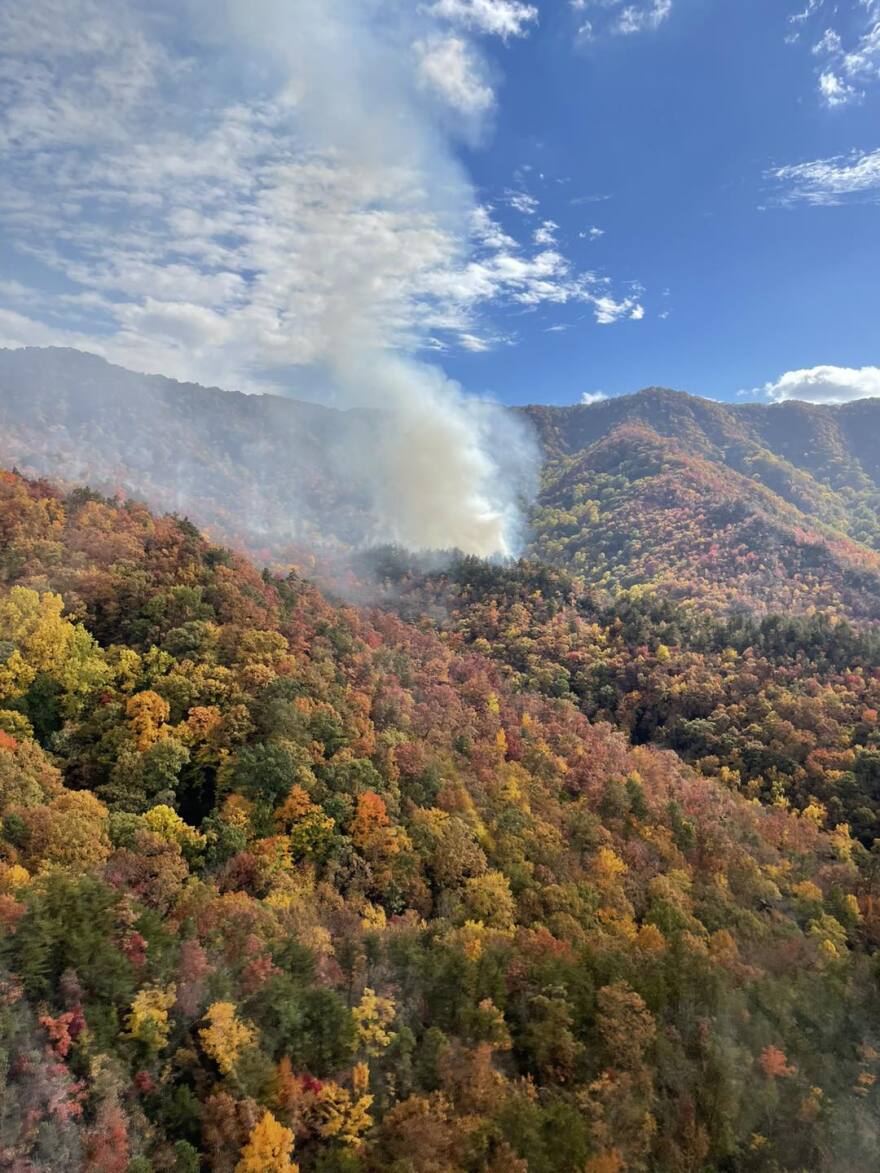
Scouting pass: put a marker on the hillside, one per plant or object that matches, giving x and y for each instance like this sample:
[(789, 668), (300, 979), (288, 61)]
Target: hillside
[(823, 462), (278, 874), (789, 446), (639, 508), (782, 708)]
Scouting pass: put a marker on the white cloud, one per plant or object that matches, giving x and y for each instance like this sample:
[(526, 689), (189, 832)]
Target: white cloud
[(805, 14), (451, 68), (835, 91), (864, 59), (850, 54), (830, 43), (503, 18), (473, 343), (598, 198), (608, 311), (615, 17), (592, 233), (521, 202), (226, 229), (590, 397), (635, 18), (74, 71), (830, 181), (486, 231), (546, 234), (826, 384)]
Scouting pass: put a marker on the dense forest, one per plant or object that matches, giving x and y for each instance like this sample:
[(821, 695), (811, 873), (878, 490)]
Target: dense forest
[(783, 708), (499, 873), (637, 509)]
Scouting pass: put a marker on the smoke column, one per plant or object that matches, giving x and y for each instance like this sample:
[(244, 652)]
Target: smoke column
[(436, 471)]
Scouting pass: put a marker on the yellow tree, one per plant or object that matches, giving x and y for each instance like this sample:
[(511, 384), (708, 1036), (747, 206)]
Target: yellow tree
[(226, 1036), (372, 1016), (147, 1021), (147, 714), (70, 831), (34, 623), (268, 1149), (168, 825), (341, 1116), (44, 641)]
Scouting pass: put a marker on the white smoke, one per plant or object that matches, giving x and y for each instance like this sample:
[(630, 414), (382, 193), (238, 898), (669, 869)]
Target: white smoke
[(279, 204), (437, 483)]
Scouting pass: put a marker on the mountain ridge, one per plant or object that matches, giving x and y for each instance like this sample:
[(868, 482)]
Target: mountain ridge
[(269, 474)]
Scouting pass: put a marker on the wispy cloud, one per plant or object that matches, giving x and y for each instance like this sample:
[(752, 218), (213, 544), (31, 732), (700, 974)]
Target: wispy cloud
[(267, 193), (522, 202), (598, 18), (835, 91), (831, 181), (635, 18), (503, 18), (545, 235), (220, 235), (846, 43)]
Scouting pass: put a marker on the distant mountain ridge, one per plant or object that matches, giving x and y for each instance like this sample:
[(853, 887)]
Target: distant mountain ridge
[(788, 446), (636, 508), (729, 506)]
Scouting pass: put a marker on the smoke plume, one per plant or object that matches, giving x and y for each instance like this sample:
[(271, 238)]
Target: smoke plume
[(353, 77), (266, 197)]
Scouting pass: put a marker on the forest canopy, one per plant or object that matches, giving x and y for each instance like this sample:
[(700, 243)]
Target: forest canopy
[(288, 883)]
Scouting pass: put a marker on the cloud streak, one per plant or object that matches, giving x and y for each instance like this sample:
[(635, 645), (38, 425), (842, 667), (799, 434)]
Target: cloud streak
[(618, 18), (504, 18), (848, 55), (829, 182)]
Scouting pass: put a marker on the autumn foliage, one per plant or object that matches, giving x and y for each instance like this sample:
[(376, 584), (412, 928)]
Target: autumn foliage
[(490, 876)]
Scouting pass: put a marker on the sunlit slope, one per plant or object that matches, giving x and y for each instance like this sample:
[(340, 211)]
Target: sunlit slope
[(766, 508)]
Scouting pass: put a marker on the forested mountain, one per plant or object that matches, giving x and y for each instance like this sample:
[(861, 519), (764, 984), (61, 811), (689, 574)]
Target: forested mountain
[(729, 507), (637, 508), (289, 884)]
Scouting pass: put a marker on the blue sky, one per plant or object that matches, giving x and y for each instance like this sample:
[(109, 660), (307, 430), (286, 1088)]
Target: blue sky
[(540, 200), (679, 127)]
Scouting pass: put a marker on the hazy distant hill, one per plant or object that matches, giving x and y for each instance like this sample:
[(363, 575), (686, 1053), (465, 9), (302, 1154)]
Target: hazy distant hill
[(262, 471), (747, 505)]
